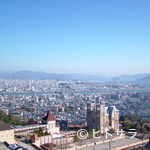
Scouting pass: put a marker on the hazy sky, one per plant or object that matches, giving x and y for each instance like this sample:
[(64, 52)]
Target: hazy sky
[(107, 37)]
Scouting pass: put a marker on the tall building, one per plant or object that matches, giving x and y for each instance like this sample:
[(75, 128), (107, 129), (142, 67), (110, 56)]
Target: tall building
[(102, 118), (50, 120), (58, 108)]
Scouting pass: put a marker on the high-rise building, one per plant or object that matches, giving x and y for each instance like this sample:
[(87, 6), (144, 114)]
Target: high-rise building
[(58, 108), (102, 118)]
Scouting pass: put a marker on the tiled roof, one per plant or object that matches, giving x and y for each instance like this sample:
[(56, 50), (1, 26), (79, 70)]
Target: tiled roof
[(31, 122), (49, 117), (5, 126)]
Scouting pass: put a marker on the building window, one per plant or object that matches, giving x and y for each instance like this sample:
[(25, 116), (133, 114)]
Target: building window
[(93, 120)]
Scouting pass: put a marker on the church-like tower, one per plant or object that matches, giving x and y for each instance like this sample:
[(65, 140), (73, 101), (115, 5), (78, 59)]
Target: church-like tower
[(102, 118)]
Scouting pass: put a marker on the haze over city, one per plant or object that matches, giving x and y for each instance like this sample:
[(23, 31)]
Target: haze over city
[(85, 37)]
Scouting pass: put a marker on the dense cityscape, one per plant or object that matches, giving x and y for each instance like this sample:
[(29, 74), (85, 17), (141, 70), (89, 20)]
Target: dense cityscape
[(51, 86), (68, 100), (32, 98)]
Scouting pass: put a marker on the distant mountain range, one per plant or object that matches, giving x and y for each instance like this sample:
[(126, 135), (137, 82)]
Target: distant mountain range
[(51, 76), (146, 78), (24, 74), (136, 77)]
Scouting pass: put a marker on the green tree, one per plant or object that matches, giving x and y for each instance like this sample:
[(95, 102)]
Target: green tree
[(10, 118), (67, 109), (46, 133), (2, 115)]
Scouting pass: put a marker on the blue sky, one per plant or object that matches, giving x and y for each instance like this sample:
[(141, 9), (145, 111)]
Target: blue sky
[(107, 37)]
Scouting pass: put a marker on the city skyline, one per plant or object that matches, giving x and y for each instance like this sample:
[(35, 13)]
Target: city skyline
[(83, 37)]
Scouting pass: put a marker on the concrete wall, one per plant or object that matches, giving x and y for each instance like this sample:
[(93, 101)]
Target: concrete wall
[(54, 130), (96, 143), (131, 145), (48, 139), (7, 135)]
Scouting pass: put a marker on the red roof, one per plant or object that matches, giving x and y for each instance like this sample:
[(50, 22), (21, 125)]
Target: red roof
[(22, 131), (31, 122), (77, 126), (5, 126), (49, 117)]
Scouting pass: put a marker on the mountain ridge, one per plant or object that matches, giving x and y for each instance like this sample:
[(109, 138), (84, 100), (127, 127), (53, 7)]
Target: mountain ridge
[(134, 77), (26, 74), (146, 78)]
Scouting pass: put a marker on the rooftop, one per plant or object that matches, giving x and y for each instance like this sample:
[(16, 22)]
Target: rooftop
[(49, 117), (5, 126), (31, 122)]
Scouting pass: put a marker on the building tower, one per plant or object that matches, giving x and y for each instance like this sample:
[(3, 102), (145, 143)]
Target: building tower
[(90, 115), (100, 113), (102, 118), (50, 120)]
